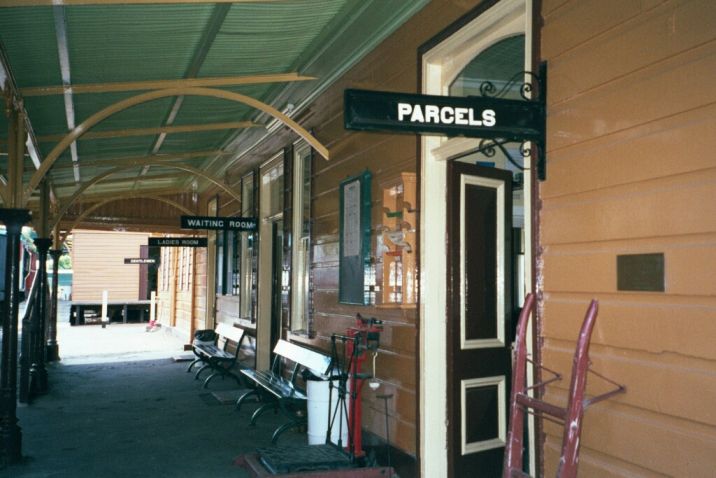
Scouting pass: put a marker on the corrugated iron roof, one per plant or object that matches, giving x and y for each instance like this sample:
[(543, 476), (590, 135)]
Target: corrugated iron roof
[(107, 44)]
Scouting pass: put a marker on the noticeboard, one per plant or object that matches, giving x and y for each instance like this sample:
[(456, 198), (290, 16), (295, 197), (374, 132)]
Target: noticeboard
[(354, 238)]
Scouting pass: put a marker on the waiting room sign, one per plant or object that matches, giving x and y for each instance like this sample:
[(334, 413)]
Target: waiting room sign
[(219, 223)]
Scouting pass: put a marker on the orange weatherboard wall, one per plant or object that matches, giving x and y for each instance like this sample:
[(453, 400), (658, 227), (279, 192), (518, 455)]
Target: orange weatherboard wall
[(631, 170)]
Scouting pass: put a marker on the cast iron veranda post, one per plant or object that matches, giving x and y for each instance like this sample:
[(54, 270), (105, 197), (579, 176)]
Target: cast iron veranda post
[(10, 432), (38, 370), (53, 348)]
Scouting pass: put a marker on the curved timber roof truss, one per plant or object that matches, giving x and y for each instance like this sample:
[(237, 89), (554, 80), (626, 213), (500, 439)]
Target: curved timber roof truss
[(98, 82)]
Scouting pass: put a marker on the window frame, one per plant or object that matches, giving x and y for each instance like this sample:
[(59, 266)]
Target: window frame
[(301, 232), (246, 249)]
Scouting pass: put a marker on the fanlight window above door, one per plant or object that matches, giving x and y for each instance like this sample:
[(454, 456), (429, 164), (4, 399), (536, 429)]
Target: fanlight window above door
[(498, 64)]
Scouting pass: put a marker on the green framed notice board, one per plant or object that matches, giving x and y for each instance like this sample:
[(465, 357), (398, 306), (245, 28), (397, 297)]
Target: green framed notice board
[(354, 238)]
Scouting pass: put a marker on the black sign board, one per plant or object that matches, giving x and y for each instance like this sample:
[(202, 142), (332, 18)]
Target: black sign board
[(140, 260), (471, 116), (178, 242), (219, 223)]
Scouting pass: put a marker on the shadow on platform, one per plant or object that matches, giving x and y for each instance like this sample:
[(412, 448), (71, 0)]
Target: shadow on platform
[(135, 419)]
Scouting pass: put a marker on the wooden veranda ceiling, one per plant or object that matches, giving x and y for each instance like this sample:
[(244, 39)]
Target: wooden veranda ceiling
[(68, 59)]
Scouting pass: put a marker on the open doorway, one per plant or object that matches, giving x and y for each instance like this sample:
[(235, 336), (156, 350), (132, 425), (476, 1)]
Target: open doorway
[(482, 202)]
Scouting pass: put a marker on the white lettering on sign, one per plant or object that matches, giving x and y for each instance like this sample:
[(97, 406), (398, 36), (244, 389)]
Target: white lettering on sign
[(488, 118), (404, 109), (461, 116), (241, 224), (446, 115), (417, 116), (199, 222)]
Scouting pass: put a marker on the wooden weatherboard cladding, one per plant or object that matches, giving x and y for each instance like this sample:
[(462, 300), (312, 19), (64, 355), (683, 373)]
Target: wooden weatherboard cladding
[(640, 272)]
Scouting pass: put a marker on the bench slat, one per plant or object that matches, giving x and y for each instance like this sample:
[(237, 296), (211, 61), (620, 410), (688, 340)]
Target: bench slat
[(278, 386), (214, 352), (230, 332), (317, 362)]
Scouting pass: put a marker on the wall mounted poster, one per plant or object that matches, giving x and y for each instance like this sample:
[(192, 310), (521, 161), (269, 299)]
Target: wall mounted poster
[(355, 201)]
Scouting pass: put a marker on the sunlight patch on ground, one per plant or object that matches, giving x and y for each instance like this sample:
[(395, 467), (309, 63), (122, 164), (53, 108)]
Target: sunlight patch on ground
[(86, 344)]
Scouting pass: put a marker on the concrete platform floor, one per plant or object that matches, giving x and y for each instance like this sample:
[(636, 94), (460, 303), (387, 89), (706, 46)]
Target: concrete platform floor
[(128, 410)]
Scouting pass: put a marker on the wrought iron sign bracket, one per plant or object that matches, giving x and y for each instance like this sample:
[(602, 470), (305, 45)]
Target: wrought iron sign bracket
[(534, 91), (494, 119)]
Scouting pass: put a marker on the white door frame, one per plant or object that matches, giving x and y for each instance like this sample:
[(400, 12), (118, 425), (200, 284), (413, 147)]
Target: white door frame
[(441, 65)]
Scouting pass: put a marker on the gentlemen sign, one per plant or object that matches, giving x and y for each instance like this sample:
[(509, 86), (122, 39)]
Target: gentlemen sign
[(219, 223), (140, 260), (471, 116), (178, 242)]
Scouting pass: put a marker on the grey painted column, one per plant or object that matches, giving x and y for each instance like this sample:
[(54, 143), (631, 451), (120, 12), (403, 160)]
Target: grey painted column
[(10, 432), (53, 348)]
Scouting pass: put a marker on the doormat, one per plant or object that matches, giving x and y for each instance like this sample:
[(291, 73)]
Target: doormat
[(290, 459)]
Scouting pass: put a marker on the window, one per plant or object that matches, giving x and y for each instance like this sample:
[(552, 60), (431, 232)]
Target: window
[(182, 269), (301, 228), (220, 262), (497, 64), (229, 256), (245, 250), (235, 265), (187, 268), (166, 268)]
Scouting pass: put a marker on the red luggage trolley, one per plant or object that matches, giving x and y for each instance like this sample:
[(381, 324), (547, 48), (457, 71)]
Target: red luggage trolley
[(570, 416)]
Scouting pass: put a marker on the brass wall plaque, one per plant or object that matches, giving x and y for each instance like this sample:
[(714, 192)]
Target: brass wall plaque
[(641, 272)]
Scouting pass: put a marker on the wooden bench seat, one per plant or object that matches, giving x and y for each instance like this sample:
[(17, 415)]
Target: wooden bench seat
[(284, 393), (216, 356)]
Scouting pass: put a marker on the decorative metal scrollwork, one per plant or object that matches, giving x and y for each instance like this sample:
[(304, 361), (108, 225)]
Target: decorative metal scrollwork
[(532, 88), (526, 148), (489, 148), (489, 90)]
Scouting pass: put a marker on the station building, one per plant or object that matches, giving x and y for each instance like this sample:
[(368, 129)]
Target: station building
[(439, 235)]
